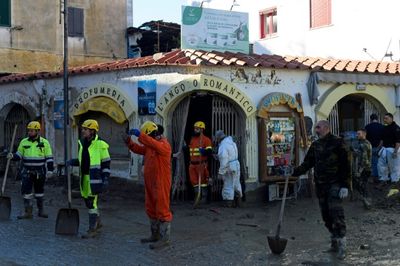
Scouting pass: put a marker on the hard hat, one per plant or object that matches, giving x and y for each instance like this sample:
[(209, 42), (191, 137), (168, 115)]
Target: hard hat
[(148, 127), (34, 125), (91, 124), (200, 124)]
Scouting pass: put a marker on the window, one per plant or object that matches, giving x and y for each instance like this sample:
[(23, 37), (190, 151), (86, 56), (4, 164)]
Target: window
[(5, 13), (75, 22), (320, 13), (268, 22)]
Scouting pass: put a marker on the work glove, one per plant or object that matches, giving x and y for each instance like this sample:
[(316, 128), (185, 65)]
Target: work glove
[(10, 156), (202, 151), (343, 193), (49, 174), (135, 132)]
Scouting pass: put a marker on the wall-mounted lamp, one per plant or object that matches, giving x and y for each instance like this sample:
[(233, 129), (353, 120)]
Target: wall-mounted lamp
[(233, 4)]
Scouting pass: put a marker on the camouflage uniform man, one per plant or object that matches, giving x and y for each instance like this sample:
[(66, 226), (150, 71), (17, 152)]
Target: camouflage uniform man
[(363, 168), (329, 157)]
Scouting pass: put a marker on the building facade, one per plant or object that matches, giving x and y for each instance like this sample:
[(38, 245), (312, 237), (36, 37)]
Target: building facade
[(259, 100), (362, 30), (92, 36)]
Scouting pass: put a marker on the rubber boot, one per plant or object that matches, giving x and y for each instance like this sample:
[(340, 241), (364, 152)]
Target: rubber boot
[(334, 245), (366, 203), (155, 232), (165, 232), (99, 224), (341, 248), (204, 195), (228, 203), (28, 210), (237, 200), (92, 232), (39, 203)]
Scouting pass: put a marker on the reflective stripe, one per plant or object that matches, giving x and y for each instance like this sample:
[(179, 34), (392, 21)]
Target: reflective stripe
[(209, 147), (195, 154), (18, 154), (50, 160), (94, 211), (194, 149), (33, 164), (28, 196), (106, 170), (105, 160), (34, 158), (96, 181), (40, 195), (97, 166), (204, 185)]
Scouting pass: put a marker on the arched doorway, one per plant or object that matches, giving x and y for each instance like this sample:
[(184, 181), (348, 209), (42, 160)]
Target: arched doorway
[(110, 131), (352, 112), (218, 113), (17, 115)]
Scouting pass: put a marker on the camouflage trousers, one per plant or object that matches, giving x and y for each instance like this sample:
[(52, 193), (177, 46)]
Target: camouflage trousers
[(331, 209), (360, 183)]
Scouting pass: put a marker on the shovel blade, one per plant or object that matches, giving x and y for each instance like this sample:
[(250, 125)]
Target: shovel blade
[(277, 244), (67, 222), (5, 208)]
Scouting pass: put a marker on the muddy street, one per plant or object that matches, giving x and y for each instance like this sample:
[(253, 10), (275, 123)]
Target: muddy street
[(209, 236)]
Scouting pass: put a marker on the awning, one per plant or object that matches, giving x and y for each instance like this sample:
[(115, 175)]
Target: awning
[(105, 105), (356, 78)]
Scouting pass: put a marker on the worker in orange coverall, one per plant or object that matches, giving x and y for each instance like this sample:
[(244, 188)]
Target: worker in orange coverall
[(200, 148), (157, 179)]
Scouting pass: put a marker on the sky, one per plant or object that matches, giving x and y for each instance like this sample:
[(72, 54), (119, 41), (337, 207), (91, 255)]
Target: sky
[(167, 10)]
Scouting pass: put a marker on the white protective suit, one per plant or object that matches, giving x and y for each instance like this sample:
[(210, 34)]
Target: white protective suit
[(388, 166), (229, 168)]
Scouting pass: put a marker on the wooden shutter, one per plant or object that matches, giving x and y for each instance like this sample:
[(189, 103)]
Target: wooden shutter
[(320, 13), (5, 12), (75, 22)]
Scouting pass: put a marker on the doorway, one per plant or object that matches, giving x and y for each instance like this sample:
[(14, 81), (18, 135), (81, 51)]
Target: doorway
[(218, 113)]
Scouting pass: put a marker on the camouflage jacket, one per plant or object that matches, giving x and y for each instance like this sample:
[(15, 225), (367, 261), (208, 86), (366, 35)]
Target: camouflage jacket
[(363, 154), (331, 161)]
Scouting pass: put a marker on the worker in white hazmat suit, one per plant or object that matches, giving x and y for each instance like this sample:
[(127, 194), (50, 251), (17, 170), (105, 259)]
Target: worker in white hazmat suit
[(229, 169)]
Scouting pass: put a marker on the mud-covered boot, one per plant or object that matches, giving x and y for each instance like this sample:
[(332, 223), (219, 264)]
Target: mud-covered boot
[(228, 203), (165, 232), (92, 232), (155, 232), (237, 200), (334, 245), (99, 224), (28, 210), (41, 213), (204, 195), (366, 203), (341, 248)]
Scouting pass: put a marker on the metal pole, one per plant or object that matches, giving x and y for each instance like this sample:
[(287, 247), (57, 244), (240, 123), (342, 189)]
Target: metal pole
[(65, 88)]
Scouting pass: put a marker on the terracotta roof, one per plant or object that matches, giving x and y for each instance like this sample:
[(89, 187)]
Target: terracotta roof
[(214, 58)]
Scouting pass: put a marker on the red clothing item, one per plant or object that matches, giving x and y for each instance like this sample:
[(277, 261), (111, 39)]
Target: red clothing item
[(157, 175), (198, 163)]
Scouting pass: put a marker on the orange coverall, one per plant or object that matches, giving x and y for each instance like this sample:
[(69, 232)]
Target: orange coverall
[(157, 175), (198, 163)]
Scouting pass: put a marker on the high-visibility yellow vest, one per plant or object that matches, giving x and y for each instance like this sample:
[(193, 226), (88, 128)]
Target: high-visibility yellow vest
[(35, 153), (100, 160)]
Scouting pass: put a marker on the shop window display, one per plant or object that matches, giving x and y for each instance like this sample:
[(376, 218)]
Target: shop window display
[(280, 145)]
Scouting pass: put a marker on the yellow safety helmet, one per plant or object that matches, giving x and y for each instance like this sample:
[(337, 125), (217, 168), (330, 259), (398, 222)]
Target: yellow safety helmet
[(200, 124), (33, 125), (148, 127), (91, 124)]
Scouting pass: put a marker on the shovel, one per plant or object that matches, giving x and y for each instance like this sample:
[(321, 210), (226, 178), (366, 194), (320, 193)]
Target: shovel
[(277, 244), (5, 202), (67, 222)]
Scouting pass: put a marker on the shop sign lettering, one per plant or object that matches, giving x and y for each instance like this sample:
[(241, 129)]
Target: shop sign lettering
[(281, 98), (106, 90), (206, 83)]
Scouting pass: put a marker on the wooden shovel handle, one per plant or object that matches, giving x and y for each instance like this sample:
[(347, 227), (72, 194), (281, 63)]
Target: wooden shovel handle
[(8, 160)]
